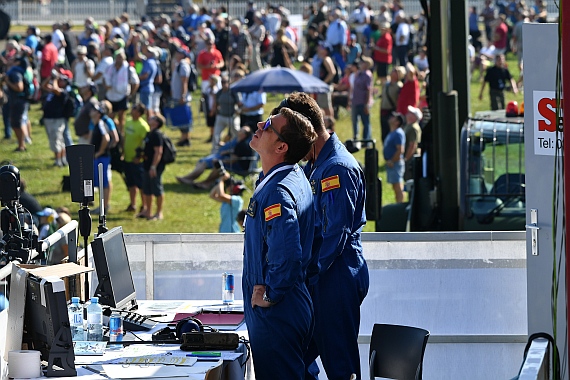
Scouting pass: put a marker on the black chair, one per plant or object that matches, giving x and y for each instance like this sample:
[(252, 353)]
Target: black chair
[(397, 352)]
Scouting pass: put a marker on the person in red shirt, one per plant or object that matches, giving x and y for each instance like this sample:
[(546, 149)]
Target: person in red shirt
[(410, 93), (382, 53), (209, 62), (500, 35), (49, 58)]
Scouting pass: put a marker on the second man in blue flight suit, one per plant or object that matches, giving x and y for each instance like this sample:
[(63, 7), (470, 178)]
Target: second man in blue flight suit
[(338, 275)]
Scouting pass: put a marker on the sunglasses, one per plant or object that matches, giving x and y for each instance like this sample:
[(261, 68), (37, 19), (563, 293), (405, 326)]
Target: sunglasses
[(268, 125)]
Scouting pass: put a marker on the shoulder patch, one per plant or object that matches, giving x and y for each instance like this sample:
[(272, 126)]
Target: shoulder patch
[(272, 211), (330, 183)]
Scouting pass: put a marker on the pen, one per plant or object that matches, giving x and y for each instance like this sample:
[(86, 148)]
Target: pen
[(202, 354), (155, 315)]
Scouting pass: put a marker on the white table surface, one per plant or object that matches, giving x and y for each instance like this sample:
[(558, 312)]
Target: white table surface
[(232, 369)]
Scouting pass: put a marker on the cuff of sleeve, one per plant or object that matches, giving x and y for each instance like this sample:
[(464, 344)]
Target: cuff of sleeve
[(267, 299)]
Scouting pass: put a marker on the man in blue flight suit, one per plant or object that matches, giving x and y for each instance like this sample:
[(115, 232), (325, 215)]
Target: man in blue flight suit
[(338, 274), (277, 251)]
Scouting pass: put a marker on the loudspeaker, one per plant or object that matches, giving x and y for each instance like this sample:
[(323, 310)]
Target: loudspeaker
[(175, 334), (81, 159)]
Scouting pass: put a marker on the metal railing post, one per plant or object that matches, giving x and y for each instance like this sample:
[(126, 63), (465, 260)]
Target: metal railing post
[(19, 12)]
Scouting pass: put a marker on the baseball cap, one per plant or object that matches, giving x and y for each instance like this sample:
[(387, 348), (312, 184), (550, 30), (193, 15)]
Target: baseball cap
[(416, 112), (183, 49), (65, 74), (82, 49)]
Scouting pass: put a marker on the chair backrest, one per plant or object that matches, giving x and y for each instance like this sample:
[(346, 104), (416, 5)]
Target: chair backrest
[(509, 184), (397, 352), (214, 373)]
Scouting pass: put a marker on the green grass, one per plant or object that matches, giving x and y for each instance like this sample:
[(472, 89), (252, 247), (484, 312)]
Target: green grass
[(186, 210)]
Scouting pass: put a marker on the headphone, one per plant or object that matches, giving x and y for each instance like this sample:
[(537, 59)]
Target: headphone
[(185, 325)]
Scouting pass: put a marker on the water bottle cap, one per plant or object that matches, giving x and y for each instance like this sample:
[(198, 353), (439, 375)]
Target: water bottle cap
[(94, 299), (74, 299)]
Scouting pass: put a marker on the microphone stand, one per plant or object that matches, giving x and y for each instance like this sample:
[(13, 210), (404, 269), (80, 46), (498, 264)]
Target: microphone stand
[(101, 228), (85, 231)]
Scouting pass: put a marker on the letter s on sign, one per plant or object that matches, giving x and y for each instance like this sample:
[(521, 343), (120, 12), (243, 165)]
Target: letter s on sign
[(547, 109)]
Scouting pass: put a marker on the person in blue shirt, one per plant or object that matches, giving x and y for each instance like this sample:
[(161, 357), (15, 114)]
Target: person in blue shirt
[(277, 249), (32, 38), (146, 77), (338, 275), (394, 155), (228, 192), (190, 21), (337, 37), (252, 108)]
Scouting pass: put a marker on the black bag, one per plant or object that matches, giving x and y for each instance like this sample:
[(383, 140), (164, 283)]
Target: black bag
[(69, 106), (192, 77), (168, 151)]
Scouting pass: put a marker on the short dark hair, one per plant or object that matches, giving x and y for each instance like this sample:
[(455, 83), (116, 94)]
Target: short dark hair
[(160, 120), (298, 133), (306, 106), (141, 108)]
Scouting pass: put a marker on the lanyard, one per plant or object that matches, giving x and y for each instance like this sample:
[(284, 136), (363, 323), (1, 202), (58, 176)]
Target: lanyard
[(266, 179)]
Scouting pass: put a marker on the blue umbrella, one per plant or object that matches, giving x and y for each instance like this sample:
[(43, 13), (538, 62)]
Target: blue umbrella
[(281, 80)]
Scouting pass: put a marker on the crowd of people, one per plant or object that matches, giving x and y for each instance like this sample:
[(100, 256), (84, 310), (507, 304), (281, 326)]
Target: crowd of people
[(158, 63)]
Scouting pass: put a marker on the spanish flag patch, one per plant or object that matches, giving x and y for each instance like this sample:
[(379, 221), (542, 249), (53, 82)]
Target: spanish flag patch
[(272, 211), (330, 183)]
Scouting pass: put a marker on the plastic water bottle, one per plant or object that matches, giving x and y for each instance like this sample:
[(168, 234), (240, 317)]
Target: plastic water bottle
[(75, 311), (94, 320)]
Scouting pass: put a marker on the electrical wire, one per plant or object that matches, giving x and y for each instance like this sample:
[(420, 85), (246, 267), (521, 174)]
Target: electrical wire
[(558, 219)]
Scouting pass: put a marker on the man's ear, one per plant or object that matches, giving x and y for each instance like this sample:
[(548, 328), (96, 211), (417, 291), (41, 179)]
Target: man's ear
[(281, 148)]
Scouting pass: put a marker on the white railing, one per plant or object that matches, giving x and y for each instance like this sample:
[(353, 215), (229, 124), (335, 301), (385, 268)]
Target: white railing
[(34, 12), (468, 289)]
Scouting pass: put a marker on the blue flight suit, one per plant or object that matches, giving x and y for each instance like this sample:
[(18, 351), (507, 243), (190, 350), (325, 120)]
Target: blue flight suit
[(279, 230), (339, 280)]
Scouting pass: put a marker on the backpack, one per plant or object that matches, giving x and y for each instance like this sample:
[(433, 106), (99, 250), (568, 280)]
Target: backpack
[(338, 71), (113, 142), (28, 80), (158, 77), (192, 77), (168, 150), (69, 105)]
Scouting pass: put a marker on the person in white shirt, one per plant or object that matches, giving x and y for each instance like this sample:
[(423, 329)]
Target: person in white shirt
[(484, 59), (401, 39), (58, 39), (125, 25), (106, 61), (360, 19), (421, 60), (121, 80), (82, 68)]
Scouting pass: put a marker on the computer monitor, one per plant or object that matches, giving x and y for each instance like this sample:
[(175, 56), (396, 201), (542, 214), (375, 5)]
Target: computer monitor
[(46, 325), (116, 288)]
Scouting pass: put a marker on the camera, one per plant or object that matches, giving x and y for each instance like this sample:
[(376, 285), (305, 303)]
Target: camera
[(17, 239)]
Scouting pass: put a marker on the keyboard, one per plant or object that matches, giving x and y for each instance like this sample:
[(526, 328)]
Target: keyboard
[(137, 322)]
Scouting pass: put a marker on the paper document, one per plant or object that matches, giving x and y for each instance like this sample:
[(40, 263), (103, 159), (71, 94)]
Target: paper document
[(120, 371), (156, 359)]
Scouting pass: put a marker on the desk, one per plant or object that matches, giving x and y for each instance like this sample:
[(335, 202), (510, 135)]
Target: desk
[(232, 369)]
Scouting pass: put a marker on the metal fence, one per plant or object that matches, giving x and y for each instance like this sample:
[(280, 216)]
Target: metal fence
[(46, 12)]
